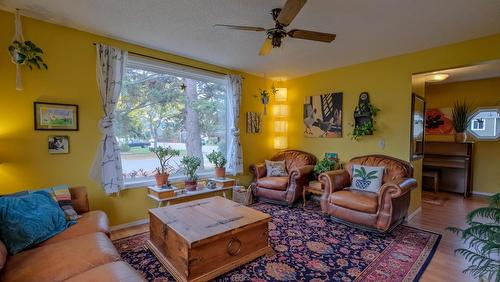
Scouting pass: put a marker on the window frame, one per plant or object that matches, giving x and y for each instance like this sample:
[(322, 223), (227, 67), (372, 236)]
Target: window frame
[(181, 71), (484, 138), (478, 129)]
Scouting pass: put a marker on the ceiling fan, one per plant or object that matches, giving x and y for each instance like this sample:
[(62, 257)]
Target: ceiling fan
[(282, 18)]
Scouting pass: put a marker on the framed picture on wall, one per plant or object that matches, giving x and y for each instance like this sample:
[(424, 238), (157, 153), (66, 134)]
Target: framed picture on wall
[(417, 127), (323, 115), (58, 144), (52, 116)]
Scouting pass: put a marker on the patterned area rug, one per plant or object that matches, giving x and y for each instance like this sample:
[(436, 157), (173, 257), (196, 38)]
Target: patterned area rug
[(311, 246)]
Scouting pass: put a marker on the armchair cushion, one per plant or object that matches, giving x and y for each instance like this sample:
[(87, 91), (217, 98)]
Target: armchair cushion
[(355, 200), (275, 183)]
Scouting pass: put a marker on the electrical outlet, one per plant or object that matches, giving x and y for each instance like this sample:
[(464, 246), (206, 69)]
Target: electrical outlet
[(381, 143)]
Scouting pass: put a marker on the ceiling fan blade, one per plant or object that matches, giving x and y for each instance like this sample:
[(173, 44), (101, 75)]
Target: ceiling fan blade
[(240, 27), (312, 35), (266, 47), (290, 10)]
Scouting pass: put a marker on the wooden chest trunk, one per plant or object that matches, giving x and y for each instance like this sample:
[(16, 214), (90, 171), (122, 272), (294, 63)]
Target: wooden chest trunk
[(202, 239)]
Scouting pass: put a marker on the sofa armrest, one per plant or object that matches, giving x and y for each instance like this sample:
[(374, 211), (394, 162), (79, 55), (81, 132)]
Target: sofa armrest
[(258, 170), (397, 188), (79, 199), (334, 180), (301, 172)]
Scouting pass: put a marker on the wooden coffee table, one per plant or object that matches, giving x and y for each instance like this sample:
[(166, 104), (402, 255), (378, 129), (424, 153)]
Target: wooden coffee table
[(202, 239)]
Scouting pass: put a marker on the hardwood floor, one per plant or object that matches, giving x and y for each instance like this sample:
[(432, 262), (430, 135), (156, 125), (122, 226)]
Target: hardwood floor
[(445, 265), (446, 209)]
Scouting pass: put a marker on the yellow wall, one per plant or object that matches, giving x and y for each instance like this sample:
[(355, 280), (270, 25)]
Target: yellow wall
[(71, 79), (478, 93), (390, 85)]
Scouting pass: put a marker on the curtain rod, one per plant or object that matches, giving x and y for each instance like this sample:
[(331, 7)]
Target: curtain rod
[(172, 62)]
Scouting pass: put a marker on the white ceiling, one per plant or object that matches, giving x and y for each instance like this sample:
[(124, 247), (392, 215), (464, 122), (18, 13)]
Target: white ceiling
[(366, 29), (484, 70)]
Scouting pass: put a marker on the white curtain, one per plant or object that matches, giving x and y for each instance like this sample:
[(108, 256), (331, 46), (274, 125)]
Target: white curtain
[(107, 168), (234, 152)]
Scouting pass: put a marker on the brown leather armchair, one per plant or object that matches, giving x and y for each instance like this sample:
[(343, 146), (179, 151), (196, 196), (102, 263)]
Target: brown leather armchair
[(287, 189), (383, 210)]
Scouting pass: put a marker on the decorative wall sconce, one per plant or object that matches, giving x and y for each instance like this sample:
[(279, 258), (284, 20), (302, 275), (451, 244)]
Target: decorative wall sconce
[(280, 111), (280, 142), (281, 95)]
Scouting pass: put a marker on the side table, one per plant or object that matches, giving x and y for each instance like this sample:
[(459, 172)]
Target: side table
[(311, 189)]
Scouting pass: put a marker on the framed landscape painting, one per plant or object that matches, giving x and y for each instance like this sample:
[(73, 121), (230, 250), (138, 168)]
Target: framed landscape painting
[(51, 116), (323, 116)]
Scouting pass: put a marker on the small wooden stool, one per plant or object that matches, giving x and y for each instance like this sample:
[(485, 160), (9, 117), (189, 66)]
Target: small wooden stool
[(314, 187), (434, 175)]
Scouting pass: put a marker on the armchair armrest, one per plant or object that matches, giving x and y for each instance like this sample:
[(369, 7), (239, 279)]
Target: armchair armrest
[(398, 187), (301, 172), (258, 170), (334, 180)]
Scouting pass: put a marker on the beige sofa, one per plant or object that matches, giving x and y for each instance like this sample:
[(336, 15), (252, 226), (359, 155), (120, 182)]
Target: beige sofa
[(83, 252)]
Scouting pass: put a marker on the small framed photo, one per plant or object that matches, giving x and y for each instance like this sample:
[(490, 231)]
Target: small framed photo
[(51, 116), (58, 144)]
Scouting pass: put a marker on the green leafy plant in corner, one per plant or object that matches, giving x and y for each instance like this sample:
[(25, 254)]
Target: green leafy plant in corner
[(217, 159), (27, 53), (483, 238), (164, 155), (325, 165), (460, 114), (190, 164)]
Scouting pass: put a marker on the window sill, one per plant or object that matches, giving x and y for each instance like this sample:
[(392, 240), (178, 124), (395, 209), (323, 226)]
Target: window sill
[(145, 182)]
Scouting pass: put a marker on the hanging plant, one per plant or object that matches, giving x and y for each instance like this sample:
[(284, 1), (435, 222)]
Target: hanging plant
[(28, 54), (364, 117), (264, 96)]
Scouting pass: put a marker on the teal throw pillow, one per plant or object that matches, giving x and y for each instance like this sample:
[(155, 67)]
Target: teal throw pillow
[(28, 220)]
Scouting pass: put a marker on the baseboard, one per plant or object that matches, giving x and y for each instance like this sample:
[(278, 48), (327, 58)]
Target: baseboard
[(130, 224), (483, 193), (413, 214)]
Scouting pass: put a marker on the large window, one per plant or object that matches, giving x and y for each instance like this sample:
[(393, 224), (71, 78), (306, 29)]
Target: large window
[(485, 124), (165, 105)]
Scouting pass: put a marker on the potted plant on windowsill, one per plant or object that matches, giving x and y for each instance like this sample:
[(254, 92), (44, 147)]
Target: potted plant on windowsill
[(190, 164), (164, 155), (218, 159), (461, 119)]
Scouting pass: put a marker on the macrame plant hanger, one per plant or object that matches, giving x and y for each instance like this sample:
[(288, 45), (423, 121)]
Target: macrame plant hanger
[(18, 35)]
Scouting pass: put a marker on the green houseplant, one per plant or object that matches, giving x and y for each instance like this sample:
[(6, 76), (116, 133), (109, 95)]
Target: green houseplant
[(219, 161), (366, 113), (164, 155), (190, 165), (326, 164), (483, 238), (27, 53), (461, 118)]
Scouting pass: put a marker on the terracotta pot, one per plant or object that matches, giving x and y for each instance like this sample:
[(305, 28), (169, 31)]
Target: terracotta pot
[(220, 172), (190, 185), (460, 137), (161, 179)]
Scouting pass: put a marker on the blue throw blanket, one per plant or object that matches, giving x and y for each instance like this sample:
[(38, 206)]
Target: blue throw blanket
[(28, 220)]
